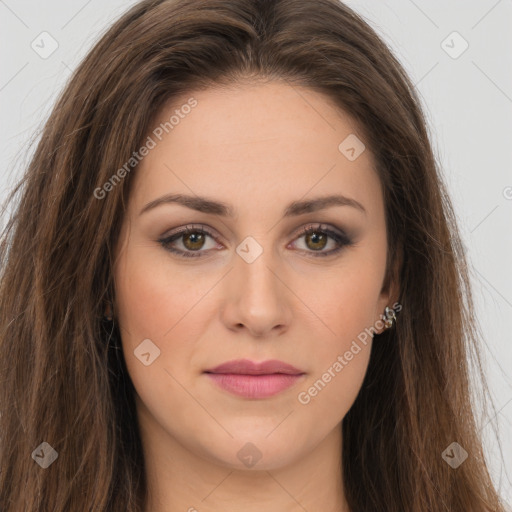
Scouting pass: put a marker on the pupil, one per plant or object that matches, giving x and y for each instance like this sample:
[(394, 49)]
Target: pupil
[(317, 238), (195, 239)]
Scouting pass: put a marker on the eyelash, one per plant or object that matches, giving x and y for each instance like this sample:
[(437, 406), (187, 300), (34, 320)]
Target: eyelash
[(340, 238)]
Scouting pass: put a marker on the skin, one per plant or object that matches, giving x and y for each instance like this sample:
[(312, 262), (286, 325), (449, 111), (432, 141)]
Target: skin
[(256, 147)]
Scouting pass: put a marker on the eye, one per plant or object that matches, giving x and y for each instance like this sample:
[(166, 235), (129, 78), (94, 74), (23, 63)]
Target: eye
[(316, 238), (193, 240)]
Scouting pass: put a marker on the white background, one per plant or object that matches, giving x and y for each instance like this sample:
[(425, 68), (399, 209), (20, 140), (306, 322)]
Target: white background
[(467, 100)]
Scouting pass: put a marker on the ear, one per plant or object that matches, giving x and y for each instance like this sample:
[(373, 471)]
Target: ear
[(390, 292), (108, 310)]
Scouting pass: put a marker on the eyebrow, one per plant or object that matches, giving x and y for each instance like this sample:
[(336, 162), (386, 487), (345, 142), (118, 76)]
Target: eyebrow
[(206, 205)]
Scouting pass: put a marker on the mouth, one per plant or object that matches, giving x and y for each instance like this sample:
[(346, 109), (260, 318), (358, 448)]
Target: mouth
[(254, 380)]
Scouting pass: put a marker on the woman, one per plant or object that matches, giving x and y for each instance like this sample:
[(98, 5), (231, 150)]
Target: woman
[(234, 278)]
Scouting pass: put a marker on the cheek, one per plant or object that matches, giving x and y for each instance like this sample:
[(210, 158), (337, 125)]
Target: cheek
[(344, 301), (165, 307), (340, 360), (346, 308), (162, 306), (154, 301)]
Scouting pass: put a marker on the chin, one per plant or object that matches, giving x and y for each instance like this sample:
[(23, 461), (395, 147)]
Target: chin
[(256, 451)]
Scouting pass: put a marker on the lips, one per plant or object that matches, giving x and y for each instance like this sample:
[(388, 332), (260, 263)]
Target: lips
[(247, 367), (254, 380)]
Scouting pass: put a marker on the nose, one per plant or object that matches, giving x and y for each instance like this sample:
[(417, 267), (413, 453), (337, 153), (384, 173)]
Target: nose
[(257, 298)]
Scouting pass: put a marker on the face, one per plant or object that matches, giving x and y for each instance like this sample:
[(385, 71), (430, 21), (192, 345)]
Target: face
[(265, 272)]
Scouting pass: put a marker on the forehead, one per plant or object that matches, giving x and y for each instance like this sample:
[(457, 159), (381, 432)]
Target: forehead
[(268, 140)]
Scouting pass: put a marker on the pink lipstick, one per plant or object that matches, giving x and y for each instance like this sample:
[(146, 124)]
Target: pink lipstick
[(249, 379)]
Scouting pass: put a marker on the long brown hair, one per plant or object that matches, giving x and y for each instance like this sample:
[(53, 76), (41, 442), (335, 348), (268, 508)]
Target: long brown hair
[(63, 377)]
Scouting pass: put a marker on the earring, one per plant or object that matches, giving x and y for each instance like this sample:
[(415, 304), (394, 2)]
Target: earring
[(390, 317), (108, 316)]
